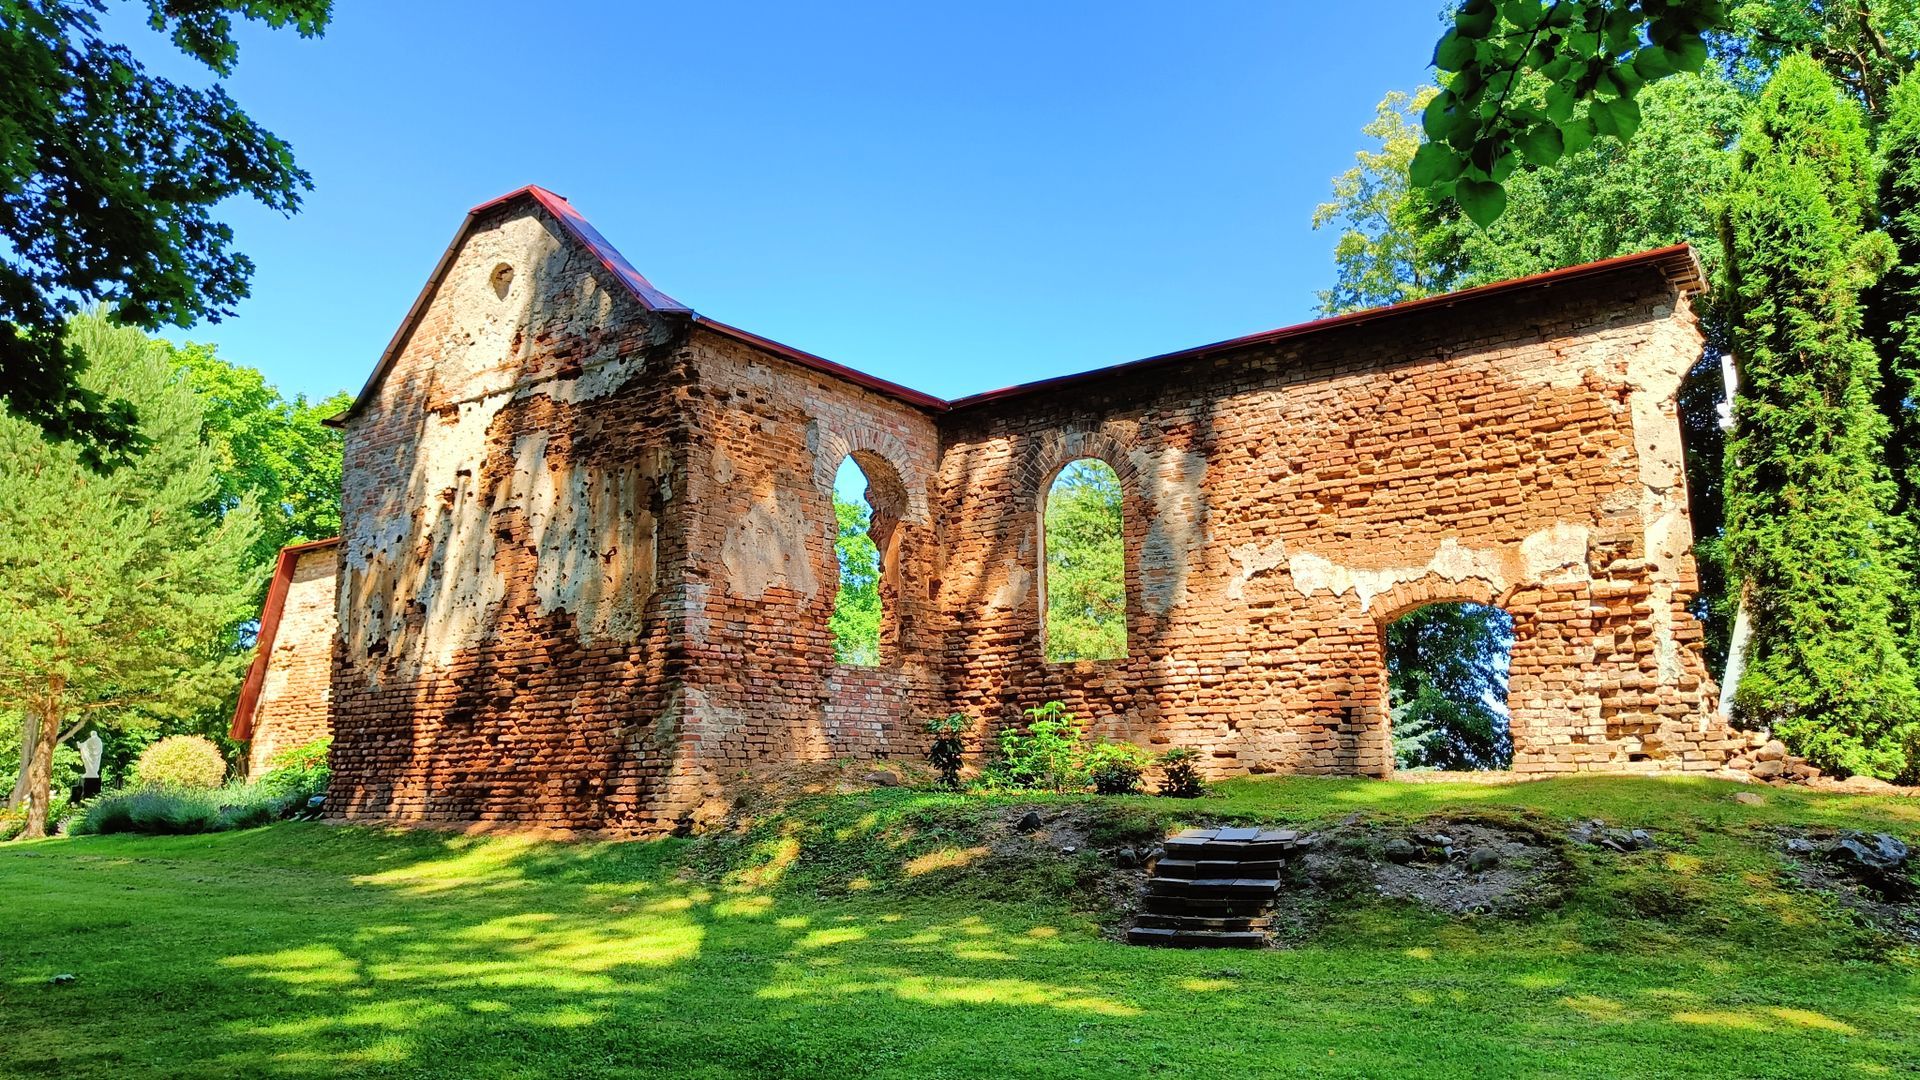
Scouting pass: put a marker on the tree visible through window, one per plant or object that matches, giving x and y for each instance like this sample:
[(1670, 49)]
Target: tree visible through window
[(856, 604), (1447, 667), (1085, 565)]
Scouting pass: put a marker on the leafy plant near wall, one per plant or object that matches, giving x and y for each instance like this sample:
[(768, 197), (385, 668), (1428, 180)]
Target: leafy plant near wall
[(299, 773), (1045, 753), (1115, 768), (948, 745), (1180, 774)]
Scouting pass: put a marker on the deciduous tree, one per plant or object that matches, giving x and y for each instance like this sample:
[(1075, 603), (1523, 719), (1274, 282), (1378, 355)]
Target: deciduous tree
[(115, 590), (108, 180)]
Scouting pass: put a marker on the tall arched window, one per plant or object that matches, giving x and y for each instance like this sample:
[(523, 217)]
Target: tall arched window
[(1085, 564), (1447, 667), (856, 604)]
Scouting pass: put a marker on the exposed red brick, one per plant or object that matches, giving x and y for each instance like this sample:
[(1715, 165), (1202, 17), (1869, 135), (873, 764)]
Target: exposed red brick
[(587, 563)]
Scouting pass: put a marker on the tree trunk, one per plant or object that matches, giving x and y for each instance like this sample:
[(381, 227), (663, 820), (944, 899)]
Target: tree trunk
[(1737, 647), (29, 738), (40, 766)]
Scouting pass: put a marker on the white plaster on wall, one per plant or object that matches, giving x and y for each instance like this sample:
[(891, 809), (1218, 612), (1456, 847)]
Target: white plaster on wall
[(1554, 555), (766, 547), (1172, 482), (1254, 561)]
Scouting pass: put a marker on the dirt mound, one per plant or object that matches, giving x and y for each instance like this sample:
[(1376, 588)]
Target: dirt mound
[(1455, 866), (1869, 875)]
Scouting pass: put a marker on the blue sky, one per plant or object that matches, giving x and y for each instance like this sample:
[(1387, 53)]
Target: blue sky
[(956, 198)]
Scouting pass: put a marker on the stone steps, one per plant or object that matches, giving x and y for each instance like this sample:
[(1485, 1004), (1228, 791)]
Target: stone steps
[(1215, 888)]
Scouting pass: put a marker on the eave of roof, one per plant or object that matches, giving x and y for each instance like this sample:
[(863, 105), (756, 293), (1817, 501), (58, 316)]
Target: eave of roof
[(1677, 263), (242, 727)]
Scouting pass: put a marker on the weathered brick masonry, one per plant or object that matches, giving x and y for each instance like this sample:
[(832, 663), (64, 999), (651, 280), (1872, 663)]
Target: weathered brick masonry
[(587, 563), (285, 700)]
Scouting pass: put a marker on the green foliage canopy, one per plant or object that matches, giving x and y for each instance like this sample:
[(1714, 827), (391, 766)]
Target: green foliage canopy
[(271, 451), (108, 178), (1447, 667), (1086, 590), (1531, 81), (116, 590), (1809, 525), (855, 621)]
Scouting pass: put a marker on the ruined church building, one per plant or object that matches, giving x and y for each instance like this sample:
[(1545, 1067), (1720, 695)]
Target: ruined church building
[(587, 556)]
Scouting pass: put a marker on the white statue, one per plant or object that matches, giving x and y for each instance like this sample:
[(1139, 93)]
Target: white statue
[(90, 751)]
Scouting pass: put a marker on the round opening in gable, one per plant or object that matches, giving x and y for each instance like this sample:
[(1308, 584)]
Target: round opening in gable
[(502, 280)]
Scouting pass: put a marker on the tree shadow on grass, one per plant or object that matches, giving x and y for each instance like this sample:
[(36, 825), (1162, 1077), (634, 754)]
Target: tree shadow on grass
[(307, 952)]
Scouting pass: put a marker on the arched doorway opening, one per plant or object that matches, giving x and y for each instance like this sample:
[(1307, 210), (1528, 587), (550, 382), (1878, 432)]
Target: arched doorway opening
[(1448, 666)]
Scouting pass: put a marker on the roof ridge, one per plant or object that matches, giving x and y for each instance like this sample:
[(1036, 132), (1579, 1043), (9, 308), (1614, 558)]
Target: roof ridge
[(1677, 262)]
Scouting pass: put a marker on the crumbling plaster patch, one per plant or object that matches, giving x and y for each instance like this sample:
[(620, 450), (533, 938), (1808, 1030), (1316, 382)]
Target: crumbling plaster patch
[(767, 546), (1172, 483), (1554, 555), (426, 556), (594, 533), (1254, 561)]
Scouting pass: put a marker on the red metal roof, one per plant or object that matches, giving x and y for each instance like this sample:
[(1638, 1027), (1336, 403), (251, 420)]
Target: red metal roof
[(807, 359), (1677, 263), (242, 726)]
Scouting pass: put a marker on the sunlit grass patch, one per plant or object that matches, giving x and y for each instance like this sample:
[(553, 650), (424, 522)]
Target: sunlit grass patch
[(305, 952)]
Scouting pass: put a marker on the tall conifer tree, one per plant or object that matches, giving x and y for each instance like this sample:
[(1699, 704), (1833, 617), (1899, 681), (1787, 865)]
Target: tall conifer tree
[(1894, 318), (1810, 526)]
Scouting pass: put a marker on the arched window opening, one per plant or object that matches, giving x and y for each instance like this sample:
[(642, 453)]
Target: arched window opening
[(1447, 668), (1085, 564), (856, 604)]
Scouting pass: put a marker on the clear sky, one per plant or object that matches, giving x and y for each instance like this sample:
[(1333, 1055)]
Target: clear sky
[(953, 197)]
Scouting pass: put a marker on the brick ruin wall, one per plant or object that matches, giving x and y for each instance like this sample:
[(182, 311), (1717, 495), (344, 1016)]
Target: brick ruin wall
[(1283, 504), (587, 562), (761, 682), (513, 550), (296, 690)]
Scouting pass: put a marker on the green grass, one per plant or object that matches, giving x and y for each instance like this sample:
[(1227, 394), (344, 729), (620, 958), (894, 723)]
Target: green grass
[(869, 936)]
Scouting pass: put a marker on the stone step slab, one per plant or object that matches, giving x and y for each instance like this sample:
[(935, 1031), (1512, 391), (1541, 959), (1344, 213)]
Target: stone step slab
[(1219, 888), (1201, 922), (1216, 868), (1205, 906), (1235, 844), (1196, 939)]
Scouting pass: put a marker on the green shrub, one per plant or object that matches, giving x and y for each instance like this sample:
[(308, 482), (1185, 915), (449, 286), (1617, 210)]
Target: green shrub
[(299, 773), (1180, 774), (181, 761), (944, 754), (1045, 755), (1116, 767), (177, 811)]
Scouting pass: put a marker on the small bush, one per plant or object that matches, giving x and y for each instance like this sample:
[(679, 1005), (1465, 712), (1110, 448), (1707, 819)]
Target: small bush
[(944, 754), (299, 773), (181, 761), (1180, 774), (177, 811), (1116, 767), (1046, 755)]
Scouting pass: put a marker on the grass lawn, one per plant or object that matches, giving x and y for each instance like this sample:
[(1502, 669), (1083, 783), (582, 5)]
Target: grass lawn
[(861, 936)]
